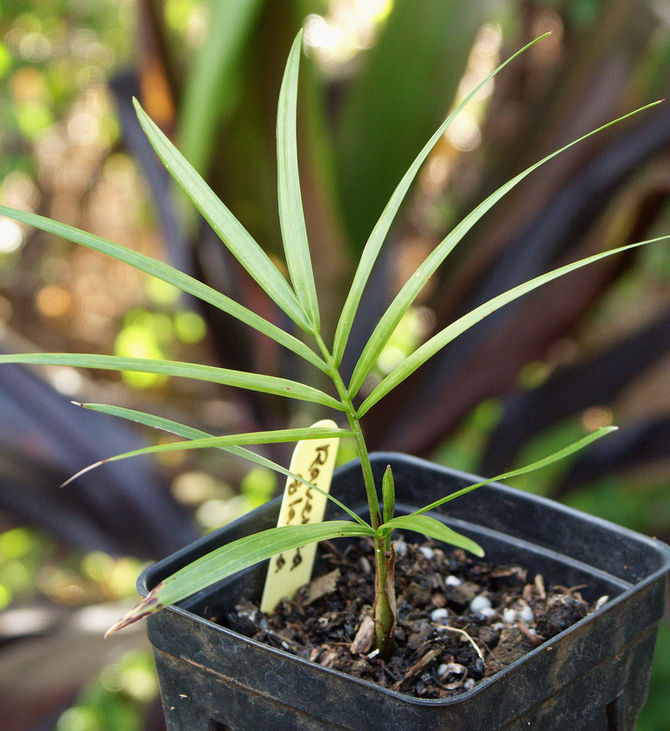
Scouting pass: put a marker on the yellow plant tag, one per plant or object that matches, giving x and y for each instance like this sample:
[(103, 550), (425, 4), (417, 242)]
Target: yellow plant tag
[(313, 459)]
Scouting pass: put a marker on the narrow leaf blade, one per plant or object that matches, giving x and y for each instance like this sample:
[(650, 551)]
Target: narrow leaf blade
[(168, 274), (539, 464), (291, 214), (410, 290), (383, 225), (456, 328), (189, 432), (434, 529), (234, 557), (237, 379), (388, 493), (238, 240), (229, 440)]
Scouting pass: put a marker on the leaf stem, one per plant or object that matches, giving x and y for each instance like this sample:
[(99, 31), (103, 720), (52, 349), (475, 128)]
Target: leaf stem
[(359, 439)]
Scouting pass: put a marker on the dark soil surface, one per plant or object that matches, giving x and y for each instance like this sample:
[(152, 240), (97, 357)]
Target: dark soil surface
[(460, 619)]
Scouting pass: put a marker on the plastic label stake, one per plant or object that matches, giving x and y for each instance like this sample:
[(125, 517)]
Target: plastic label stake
[(314, 460)]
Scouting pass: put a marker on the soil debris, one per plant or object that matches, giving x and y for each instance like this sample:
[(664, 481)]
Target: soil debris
[(443, 647), (321, 586)]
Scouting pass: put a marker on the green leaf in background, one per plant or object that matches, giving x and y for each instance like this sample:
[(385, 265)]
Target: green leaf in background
[(432, 528), (231, 232), (237, 379), (168, 274), (234, 557), (211, 88), (405, 84), (291, 215)]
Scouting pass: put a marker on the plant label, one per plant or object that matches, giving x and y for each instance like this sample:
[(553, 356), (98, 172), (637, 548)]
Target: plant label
[(313, 459)]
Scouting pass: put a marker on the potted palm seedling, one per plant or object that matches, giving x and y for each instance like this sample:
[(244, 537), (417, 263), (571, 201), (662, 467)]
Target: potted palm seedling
[(586, 664)]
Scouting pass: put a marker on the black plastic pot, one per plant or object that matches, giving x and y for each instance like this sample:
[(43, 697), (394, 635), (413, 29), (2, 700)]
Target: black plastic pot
[(592, 676)]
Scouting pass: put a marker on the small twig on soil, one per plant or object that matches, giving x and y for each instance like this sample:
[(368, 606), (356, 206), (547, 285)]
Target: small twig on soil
[(425, 660), (470, 640), (535, 640)]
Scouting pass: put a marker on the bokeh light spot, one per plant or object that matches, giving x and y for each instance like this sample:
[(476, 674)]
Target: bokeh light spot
[(53, 301), (15, 543), (189, 327), (11, 236)]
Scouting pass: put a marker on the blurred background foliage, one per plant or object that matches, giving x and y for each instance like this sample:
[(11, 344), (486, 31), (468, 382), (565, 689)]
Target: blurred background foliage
[(378, 78)]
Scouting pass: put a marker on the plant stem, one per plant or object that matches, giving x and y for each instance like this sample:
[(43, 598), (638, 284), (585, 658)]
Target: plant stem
[(385, 604), (359, 439)]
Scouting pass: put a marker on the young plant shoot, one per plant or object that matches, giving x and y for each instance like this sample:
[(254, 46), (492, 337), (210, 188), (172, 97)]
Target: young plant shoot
[(299, 300)]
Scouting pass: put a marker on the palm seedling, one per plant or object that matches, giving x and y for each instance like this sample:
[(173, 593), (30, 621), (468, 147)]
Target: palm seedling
[(300, 302)]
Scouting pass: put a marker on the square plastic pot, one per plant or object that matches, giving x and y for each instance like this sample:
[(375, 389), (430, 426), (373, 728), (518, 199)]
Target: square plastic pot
[(592, 676)]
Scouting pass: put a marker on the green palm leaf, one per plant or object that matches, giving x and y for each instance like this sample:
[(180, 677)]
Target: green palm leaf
[(238, 240), (238, 379), (172, 276), (404, 299), (381, 229), (228, 440), (452, 331), (291, 215), (234, 557), (539, 464), (434, 529), (189, 432)]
